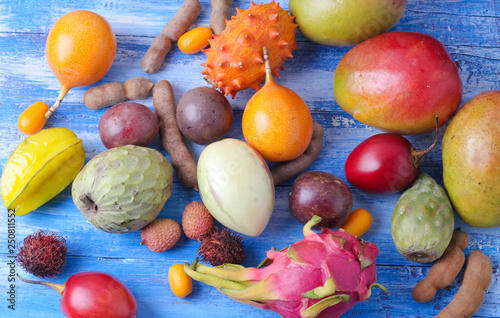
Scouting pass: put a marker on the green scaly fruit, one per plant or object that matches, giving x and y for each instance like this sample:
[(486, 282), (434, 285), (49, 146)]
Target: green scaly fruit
[(123, 189), (422, 223)]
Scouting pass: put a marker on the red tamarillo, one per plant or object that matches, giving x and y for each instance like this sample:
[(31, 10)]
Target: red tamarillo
[(470, 296), (177, 26), (289, 169), (181, 158), (444, 270)]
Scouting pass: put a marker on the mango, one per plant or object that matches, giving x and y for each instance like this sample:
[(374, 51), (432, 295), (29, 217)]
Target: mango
[(40, 167), (345, 22), (471, 160), (399, 82)]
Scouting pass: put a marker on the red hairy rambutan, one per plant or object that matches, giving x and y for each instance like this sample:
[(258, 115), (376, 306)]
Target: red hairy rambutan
[(42, 254), (222, 247)]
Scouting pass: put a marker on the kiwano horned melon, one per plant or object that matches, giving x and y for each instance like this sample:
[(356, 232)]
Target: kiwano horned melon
[(235, 60), (124, 188)]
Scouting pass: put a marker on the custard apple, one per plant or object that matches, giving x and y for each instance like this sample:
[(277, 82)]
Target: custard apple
[(123, 189)]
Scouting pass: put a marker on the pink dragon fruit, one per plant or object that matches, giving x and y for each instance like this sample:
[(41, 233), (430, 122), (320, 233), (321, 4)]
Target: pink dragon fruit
[(322, 276)]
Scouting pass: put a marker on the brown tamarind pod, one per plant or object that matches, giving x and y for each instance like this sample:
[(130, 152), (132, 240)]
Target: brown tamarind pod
[(470, 296), (221, 11), (444, 270), (171, 138), (177, 26), (104, 95), (115, 92)]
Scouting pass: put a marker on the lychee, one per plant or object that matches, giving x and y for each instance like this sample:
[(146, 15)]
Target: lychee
[(197, 222), (161, 235)]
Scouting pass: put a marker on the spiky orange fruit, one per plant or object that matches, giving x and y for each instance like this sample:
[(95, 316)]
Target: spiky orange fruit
[(234, 59)]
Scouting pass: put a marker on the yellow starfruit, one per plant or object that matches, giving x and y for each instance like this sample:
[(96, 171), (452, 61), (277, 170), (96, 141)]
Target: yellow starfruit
[(40, 167)]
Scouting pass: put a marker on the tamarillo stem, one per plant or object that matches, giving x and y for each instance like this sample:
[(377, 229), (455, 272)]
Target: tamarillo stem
[(470, 296), (221, 11), (181, 158), (444, 270), (109, 94), (178, 25), (418, 154), (57, 287), (289, 169)]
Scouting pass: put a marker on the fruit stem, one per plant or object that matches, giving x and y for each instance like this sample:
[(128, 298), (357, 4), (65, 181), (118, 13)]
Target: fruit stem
[(88, 202), (62, 94), (418, 154), (269, 75), (57, 287)]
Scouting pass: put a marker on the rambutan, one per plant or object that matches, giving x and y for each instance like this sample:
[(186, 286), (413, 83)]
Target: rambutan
[(222, 247), (42, 254)]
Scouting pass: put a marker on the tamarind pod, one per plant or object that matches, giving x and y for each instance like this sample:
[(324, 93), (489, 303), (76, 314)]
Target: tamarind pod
[(444, 270), (138, 88), (181, 158), (221, 11), (470, 296), (178, 25), (182, 20), (115, 92), (289, 169), (155, 55), (104, 95)]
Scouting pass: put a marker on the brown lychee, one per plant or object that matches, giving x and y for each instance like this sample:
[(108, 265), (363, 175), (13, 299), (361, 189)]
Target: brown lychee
[(161, 235), (197, 222)]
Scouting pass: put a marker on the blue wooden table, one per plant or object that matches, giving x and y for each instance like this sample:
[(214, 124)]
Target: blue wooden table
[(468, 28)]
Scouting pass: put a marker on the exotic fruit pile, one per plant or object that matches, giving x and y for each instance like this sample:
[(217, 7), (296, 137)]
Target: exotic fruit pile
[(248, 165), (322, 276), (234, 59)]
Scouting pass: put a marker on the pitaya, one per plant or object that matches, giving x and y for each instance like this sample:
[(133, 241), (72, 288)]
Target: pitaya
[(322, 276)]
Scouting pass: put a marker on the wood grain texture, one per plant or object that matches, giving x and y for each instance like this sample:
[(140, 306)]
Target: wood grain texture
[(468, 28)]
